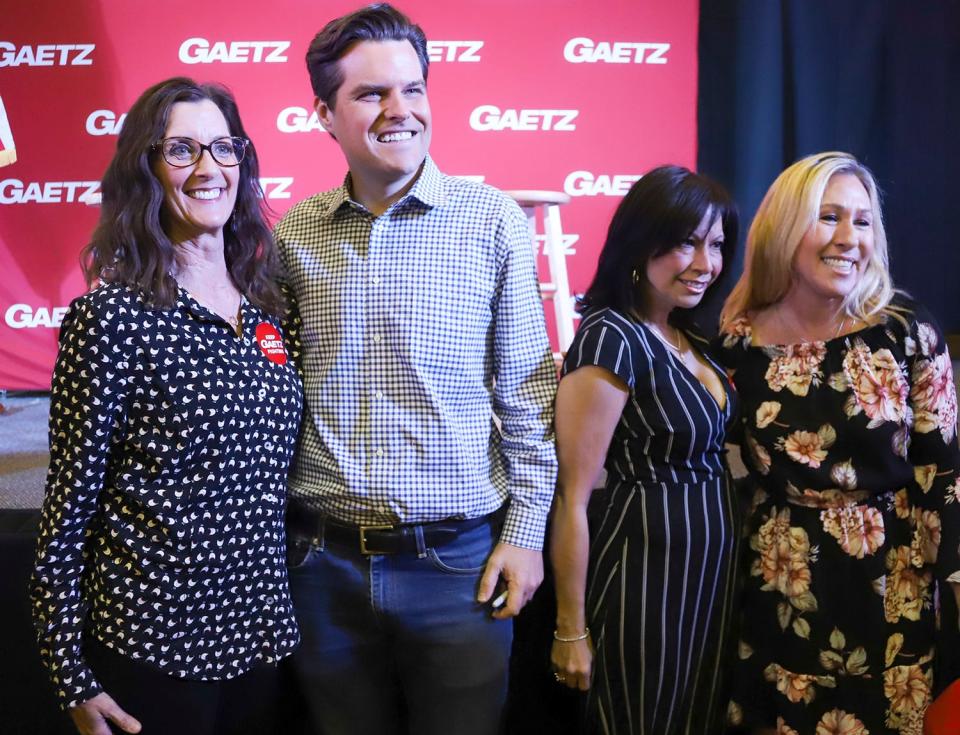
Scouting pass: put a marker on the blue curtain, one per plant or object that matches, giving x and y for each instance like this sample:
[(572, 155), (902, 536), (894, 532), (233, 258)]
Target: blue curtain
[(780, 79)]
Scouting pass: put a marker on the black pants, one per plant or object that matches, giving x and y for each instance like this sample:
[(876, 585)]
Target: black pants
[(167, 705)]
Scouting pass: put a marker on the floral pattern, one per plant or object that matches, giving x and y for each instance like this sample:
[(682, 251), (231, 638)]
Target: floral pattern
[(838, 722), (852, 452)]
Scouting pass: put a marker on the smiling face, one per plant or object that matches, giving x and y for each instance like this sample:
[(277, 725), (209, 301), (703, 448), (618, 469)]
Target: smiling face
[(834, 252), (380, 117), (198, 199), (680, 277)]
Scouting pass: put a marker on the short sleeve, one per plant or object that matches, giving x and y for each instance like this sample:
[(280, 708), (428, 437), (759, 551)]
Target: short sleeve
[(601, 343)]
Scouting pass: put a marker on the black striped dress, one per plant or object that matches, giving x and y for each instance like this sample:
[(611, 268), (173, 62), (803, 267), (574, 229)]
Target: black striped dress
[(661, 569)]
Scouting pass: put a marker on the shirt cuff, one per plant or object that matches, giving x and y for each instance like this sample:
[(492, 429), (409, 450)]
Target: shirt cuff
[(524, 527)]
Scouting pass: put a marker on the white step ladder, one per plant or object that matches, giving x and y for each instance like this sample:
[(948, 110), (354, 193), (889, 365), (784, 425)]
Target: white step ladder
[(554, 285)]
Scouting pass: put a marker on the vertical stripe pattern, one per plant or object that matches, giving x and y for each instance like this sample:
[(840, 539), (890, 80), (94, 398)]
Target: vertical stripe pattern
[(661, 572)]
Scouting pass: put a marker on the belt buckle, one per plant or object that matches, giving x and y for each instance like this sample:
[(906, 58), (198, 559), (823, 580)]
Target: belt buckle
[(363, 537)]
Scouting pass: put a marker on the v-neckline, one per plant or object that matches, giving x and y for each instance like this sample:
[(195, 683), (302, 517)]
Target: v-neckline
[(710, 363)]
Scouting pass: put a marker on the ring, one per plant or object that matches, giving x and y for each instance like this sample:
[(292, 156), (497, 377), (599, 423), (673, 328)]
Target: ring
[(558, 676)]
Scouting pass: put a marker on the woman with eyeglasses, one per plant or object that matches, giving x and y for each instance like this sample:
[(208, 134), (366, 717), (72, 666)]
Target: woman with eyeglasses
[(159, 593)]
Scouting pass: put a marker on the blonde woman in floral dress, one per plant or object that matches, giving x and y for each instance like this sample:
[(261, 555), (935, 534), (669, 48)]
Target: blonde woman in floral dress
[(849, 413)]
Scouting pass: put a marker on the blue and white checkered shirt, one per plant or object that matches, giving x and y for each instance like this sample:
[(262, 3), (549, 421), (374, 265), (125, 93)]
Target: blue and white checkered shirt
[(419, 326)]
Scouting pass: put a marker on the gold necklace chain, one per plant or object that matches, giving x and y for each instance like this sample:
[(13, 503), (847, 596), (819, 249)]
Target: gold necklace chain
[(675, 348), (796, 331)]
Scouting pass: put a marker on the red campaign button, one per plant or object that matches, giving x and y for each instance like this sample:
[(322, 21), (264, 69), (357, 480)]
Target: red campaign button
[(268, 337)]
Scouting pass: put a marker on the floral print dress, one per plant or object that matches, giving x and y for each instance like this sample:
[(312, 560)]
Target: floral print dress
[(853, 457)]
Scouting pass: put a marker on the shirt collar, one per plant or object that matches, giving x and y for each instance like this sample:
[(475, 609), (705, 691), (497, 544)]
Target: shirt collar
[(429, 189)]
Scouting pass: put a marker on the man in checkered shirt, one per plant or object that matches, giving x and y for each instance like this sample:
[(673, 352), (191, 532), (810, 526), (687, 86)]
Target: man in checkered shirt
[(415, 522)]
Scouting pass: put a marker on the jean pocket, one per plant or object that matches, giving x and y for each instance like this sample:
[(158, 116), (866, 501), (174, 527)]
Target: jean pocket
[(299, 552), (451, 565), (465, 555)]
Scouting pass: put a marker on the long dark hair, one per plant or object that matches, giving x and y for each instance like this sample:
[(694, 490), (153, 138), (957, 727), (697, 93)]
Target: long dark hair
[(129, 244), (660, 211)]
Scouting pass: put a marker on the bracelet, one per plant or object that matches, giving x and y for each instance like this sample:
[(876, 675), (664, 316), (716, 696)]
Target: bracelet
[(583, 637)]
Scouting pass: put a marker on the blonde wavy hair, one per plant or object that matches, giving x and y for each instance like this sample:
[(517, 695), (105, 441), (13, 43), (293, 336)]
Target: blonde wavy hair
[(789, 209)]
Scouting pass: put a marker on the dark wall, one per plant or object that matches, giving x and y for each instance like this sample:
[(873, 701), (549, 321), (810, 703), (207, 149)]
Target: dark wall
[(780, 79)]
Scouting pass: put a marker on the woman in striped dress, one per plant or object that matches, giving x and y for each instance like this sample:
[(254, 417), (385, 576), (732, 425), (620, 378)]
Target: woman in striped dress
[(640, 398)]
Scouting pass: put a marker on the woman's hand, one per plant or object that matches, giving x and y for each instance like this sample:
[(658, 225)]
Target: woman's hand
[(91, 716), (572, 662)]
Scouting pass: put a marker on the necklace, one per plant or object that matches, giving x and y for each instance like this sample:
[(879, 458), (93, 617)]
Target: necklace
[(676, 349), (234, 321), (794, 330)]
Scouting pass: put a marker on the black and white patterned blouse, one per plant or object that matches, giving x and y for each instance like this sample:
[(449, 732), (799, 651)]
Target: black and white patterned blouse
[(162, 527)]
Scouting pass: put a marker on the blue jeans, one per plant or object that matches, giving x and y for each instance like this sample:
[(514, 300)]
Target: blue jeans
[(397, 644)]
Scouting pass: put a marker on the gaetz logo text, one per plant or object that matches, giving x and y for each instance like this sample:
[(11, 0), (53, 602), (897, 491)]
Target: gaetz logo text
[(586, 184), (490, 117), (584, 50), (24, 316), (276, 187), (202, 51), (298, 120), (61, 54), (454, 50), (15, 191), (105, 122)]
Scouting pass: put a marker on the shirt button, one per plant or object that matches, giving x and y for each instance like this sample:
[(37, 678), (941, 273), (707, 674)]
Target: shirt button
[(379, 452), (379, 394), (376, 280), (376, 338), (270, 600)]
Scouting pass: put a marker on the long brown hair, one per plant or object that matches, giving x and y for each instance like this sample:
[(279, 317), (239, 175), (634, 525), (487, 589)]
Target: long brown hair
[(129, 244)]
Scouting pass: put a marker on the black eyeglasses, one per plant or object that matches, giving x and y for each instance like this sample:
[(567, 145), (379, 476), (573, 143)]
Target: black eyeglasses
[(183, 152)]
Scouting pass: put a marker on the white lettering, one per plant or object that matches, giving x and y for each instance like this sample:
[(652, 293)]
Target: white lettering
[(584, 183), (585, 50), (297, 120), (276, 187), (104, 122), (23, 316), (200, 51), (15, 191), (83, 51), (464, 51), (70, 54), (567, 241), (490, 117)]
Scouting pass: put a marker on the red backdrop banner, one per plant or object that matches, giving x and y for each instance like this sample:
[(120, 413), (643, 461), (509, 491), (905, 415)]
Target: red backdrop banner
[(560, 95)]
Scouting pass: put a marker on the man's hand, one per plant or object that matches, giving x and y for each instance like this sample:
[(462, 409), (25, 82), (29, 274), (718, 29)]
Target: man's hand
[(91, 716), (521, 570)]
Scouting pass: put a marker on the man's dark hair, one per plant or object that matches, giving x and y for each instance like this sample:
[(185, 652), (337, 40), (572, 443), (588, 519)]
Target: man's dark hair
[(660, 211), (377, 22)]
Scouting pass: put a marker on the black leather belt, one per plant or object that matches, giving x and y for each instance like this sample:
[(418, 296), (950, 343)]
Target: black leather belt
[(376, 539)]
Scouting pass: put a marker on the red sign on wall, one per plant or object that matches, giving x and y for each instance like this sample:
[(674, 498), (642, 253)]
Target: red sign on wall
[(545, 94)]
